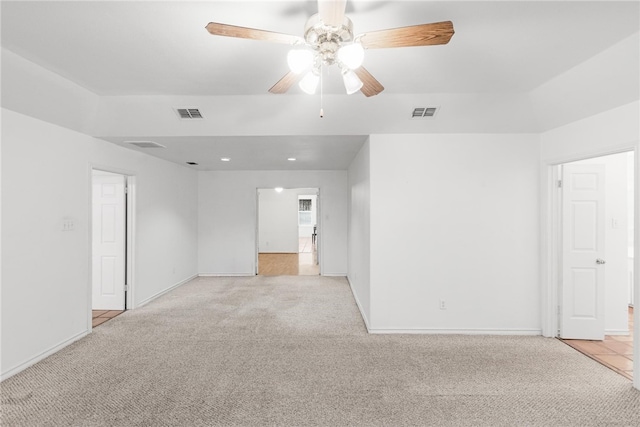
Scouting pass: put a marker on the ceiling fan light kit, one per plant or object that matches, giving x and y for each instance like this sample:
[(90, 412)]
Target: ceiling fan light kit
[(329, 39), (299, 60), (325, 45), (352, 82), (309, 82), (351, 55)]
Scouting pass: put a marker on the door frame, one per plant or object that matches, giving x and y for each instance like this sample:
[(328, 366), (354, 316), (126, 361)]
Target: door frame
[(550, 243), (318, 221), (130, 184)]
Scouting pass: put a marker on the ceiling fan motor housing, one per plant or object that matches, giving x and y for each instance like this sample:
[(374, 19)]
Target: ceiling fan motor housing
[(326, 39)]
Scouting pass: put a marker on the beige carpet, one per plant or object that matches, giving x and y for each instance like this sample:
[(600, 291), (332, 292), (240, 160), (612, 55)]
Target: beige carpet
[(293, 351)]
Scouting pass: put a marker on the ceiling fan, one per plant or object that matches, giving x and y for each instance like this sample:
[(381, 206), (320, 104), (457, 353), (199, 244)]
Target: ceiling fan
[(329, 39)]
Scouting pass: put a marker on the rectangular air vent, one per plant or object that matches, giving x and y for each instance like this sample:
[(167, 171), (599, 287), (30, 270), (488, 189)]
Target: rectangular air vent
[(189, 113), (424, 112), (145, 144)]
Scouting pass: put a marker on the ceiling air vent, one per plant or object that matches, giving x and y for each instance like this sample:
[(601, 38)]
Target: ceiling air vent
[(145, 144), (189, 113), (424, 112)]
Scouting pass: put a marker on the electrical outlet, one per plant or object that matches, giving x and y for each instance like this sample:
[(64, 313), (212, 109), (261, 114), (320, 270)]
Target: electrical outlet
[(68, 224), (443, 304)]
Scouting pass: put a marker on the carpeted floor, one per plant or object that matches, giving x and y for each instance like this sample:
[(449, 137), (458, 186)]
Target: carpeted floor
[(293, 351)]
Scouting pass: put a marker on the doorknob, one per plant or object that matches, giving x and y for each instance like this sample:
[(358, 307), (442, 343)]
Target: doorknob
[(600, 261)]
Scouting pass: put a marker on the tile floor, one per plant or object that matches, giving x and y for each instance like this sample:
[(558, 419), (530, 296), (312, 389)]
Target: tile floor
[(615, 352), (304, 263), (101, 316), (307, 257)]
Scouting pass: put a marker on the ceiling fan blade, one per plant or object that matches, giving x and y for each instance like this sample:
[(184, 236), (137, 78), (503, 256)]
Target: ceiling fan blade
[(218, 29), (416, 35), (332, 11), (370, 86), (285, 83)]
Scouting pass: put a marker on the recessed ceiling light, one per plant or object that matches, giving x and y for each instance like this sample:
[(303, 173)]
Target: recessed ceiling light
[(279, 189), (292, 159), (225, 159), (192, 163)]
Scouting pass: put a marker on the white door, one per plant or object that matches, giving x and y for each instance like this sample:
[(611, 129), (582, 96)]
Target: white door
[(109, 212), (583, 233)]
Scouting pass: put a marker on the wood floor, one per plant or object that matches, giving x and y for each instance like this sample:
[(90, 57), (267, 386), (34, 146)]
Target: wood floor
[(304, 263), (615, 352)]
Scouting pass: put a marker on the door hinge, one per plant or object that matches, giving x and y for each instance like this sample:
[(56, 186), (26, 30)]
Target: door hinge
[(126, 190), (559, 183), (126, 288), (559, 311)]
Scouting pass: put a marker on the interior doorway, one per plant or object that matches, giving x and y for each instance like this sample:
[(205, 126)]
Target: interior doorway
[(308, 235), (109, 245), (288, 232), (596, 258)]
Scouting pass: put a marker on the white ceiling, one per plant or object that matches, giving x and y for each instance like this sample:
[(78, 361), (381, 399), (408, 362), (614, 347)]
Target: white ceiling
[(256, 153), (148, 48)]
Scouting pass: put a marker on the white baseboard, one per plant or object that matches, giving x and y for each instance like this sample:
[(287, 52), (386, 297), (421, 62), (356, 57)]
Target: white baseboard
[(226, 274), (527, 332), (159, 294), (21, 367), (616, 331), (362, 313), (253, 274)]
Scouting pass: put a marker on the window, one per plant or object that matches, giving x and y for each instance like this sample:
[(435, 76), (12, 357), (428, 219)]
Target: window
[(304, 212), (304, 205)]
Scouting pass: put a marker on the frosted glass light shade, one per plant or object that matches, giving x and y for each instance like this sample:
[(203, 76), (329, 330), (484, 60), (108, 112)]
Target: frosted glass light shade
[(351, 55), (299, 60), (309, 82), (352, 82)]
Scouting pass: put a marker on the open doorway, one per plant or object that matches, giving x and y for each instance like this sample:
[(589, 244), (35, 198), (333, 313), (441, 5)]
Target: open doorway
[(288, 232), (596, 258), (109, 245), (308, 235)]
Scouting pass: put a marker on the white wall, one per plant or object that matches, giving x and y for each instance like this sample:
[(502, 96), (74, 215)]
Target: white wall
[(278, 221), (227, 218), (632, 175), (296, 114), (616, 269), (612, 130), (360, 231), (454, 217), (608, 132), (45, 277), (30, 89), (631, 185), (604, 81)]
